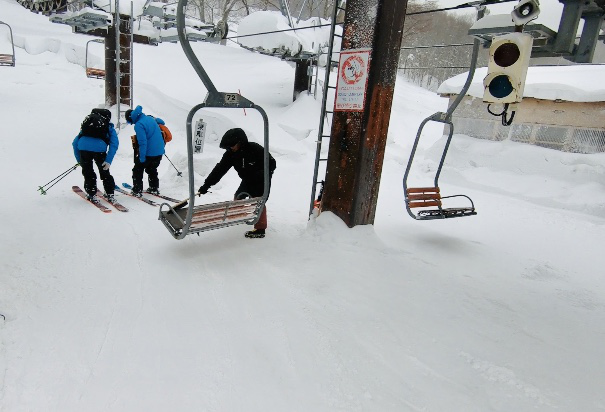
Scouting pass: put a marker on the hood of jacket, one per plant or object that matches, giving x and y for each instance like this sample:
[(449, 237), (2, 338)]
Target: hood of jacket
[(136, 114), (233, 137)]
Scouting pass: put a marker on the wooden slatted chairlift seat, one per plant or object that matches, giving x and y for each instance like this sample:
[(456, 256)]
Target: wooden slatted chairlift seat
[(424, 197), (211, 216), (95, 73), (5, 58), (181, 222)]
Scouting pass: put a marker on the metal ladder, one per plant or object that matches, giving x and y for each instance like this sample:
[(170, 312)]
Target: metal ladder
[(325, 121)]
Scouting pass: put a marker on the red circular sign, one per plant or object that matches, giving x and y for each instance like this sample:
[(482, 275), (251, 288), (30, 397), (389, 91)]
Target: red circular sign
[(353, 69)]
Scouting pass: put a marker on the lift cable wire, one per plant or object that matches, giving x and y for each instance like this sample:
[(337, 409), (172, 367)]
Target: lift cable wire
[(461, 6), (435, 46)]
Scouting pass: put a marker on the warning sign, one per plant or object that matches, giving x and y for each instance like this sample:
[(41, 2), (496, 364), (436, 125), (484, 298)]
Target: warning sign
[(352, 80)]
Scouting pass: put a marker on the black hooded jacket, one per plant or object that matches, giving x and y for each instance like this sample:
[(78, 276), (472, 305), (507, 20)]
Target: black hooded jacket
[(248, 162)]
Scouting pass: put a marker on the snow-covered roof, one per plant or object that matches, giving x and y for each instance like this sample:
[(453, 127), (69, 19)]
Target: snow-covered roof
[(579, 83)]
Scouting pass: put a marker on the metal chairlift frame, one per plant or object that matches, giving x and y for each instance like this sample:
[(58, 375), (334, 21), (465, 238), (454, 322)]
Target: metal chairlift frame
[(8, 59), (201, 218), (91, 71), (431, 196)]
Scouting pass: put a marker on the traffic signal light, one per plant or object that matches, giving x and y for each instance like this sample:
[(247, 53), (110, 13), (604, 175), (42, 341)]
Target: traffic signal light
[(507, 68)]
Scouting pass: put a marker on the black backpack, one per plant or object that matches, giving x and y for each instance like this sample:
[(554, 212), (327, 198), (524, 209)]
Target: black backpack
[(96, 125)]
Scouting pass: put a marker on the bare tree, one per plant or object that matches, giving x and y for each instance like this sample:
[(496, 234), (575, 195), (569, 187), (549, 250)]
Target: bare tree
[(429, 66), (198, 6)]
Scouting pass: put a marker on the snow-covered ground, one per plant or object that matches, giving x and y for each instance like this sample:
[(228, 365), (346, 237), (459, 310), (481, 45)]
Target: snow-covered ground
[(504, 311)]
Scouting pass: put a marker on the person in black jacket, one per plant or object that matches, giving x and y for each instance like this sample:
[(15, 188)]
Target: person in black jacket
[(247, 158)]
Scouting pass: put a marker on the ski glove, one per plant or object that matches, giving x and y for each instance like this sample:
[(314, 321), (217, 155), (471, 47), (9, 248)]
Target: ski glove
[(106, 165), (203, 189)]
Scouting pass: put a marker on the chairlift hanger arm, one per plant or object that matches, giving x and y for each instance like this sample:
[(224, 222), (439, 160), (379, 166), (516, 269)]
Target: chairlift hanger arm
[(197, 66)]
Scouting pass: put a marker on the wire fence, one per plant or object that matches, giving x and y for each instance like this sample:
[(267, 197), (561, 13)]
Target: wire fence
[(429, 66)]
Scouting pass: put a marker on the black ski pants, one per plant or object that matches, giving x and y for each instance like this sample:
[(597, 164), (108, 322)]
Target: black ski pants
[(87, 158), (150, 166)]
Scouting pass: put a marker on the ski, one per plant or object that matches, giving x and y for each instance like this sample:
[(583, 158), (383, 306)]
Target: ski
[(98, 204), (142, 199), (115, 203), (170, 199)]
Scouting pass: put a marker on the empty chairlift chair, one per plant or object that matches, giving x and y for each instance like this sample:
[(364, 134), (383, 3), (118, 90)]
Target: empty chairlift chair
[(91, 71), (427, 201), (196, 219), (5, 58)]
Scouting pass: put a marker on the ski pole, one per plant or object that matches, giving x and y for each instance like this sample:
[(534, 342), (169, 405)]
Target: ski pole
[(177, 170), (44, 189)]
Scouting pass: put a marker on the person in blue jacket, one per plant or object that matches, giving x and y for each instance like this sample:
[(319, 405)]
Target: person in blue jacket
[(89, 150), (148, 150)]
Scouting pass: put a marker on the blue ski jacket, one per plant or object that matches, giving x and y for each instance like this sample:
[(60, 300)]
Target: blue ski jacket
[(94, 144), (149, 135)]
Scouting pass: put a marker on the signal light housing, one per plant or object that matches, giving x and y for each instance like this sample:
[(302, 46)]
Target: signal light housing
[(507, 68)]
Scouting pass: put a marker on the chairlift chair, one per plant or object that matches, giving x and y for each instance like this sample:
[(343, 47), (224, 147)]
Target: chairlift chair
[(93, 72), (201, 218), (428, 200), (8, 59)]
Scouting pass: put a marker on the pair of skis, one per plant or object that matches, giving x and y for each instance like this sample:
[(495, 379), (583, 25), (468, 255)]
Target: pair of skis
[(144, 199), (116, 204), (101, 206)]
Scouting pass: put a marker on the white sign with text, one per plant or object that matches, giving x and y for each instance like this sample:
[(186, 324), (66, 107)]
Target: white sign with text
[(352, 80), (199, 135)]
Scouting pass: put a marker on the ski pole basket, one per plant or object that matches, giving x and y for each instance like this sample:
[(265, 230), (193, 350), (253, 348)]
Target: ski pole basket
[(429, 199), (197, 219)]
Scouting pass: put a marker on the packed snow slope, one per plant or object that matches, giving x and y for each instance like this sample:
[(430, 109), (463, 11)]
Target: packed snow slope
[(503, 311)]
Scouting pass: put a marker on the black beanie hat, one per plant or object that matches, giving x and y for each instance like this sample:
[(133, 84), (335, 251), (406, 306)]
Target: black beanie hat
[(127, 115)]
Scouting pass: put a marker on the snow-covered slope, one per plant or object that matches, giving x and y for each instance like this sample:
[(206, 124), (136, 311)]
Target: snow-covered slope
[(503, 311)]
